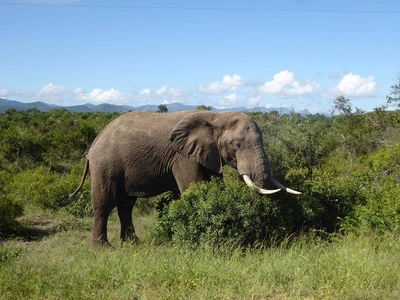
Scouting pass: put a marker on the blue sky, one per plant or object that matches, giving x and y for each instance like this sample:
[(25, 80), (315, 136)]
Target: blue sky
[(293, 53)]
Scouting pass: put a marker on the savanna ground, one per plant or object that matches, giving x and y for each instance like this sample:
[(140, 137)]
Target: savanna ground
[(338, 240), (57, 264)]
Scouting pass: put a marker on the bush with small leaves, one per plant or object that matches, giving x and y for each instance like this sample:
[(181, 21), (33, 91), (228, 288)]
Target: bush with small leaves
[(44, 188), (222, 212), (81, 206), (10, 210)]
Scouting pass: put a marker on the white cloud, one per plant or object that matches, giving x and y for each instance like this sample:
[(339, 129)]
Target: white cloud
[(269, 106), (77, 91), (145, 92), (162, 90), (230, 100), (228, 83), (49, 93), (285, 84), (237, 100), (52, 90), (231, 91), (177, 95), (297, 89), (354, 86), (103, 96), (255, 101), (4, 92), (162, 95)]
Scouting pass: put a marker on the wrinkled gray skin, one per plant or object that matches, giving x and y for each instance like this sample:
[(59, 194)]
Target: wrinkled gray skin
[(143, 154)]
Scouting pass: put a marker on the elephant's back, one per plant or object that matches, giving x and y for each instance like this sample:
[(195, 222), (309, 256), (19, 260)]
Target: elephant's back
[(134, 130), (145, 119)]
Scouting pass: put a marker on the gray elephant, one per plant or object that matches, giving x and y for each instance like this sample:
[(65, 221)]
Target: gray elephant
[(142, 154)]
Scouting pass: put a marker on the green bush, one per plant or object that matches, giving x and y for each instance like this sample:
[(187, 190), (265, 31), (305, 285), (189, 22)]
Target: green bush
[(364, 192), (219, 212), (81, 206), (381, 210), (43, 188), (10, 210)]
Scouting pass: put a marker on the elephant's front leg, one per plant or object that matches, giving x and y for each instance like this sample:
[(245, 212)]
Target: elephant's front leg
[(187, 171), (125, 218)]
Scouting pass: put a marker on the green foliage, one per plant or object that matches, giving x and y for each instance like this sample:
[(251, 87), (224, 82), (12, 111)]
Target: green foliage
[(223, 212), (362, 192), (345, 165), (381, 209), (327, 159), (10, 210), (43, 188), (162, 108), (55, 138), (81, 206), (38, 155), (395, 94), (203, 107)]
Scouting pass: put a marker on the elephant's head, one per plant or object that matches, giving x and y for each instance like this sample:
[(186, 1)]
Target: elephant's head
[(216, 139)]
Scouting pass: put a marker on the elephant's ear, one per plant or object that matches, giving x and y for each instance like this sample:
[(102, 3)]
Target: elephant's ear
[(194, 137)]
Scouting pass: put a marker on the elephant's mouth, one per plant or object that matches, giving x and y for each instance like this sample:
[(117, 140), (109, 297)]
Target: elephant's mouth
[(280, 186)]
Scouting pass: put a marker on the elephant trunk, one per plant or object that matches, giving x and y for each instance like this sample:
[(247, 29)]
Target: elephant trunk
[(252, 164), (256, 172)]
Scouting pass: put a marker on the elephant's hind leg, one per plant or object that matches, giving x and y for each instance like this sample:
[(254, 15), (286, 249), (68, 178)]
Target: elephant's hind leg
[(99, 231), (103, 200), (125, 218)]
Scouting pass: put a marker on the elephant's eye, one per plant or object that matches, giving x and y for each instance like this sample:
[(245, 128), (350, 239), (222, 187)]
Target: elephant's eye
[(237, 145)]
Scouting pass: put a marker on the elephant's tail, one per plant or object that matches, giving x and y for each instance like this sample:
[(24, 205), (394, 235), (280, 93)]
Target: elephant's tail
[(72, 196)]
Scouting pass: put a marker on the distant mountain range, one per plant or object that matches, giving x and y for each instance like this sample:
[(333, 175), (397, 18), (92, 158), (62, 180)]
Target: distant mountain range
[(109, 108)]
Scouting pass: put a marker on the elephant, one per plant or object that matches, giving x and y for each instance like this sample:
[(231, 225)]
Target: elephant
[(144, 154)]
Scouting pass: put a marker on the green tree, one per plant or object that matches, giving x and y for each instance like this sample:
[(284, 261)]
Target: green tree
[(203, 107), (395, 94), (162, 108), (343, 105)]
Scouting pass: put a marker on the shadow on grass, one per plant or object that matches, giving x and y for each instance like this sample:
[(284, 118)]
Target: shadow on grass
[(38, 227)]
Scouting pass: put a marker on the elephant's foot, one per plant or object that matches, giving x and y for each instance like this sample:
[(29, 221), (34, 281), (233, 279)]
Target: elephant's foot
[(100, 245), (132, 239)]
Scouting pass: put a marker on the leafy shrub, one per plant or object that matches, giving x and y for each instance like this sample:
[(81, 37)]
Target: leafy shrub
[(10, 210), (381, 210), (363, 192), (81, 206), (334, 193), (43, 188), (220, 212)]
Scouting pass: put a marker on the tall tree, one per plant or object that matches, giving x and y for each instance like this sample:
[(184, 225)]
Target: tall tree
[(395, 94), (162, 108)]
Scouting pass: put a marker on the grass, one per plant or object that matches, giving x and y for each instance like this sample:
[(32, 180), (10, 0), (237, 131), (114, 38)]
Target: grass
[(58, 264)]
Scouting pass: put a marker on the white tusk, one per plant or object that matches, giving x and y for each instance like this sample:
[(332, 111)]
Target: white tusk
[(281, 186), (251, 184)]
